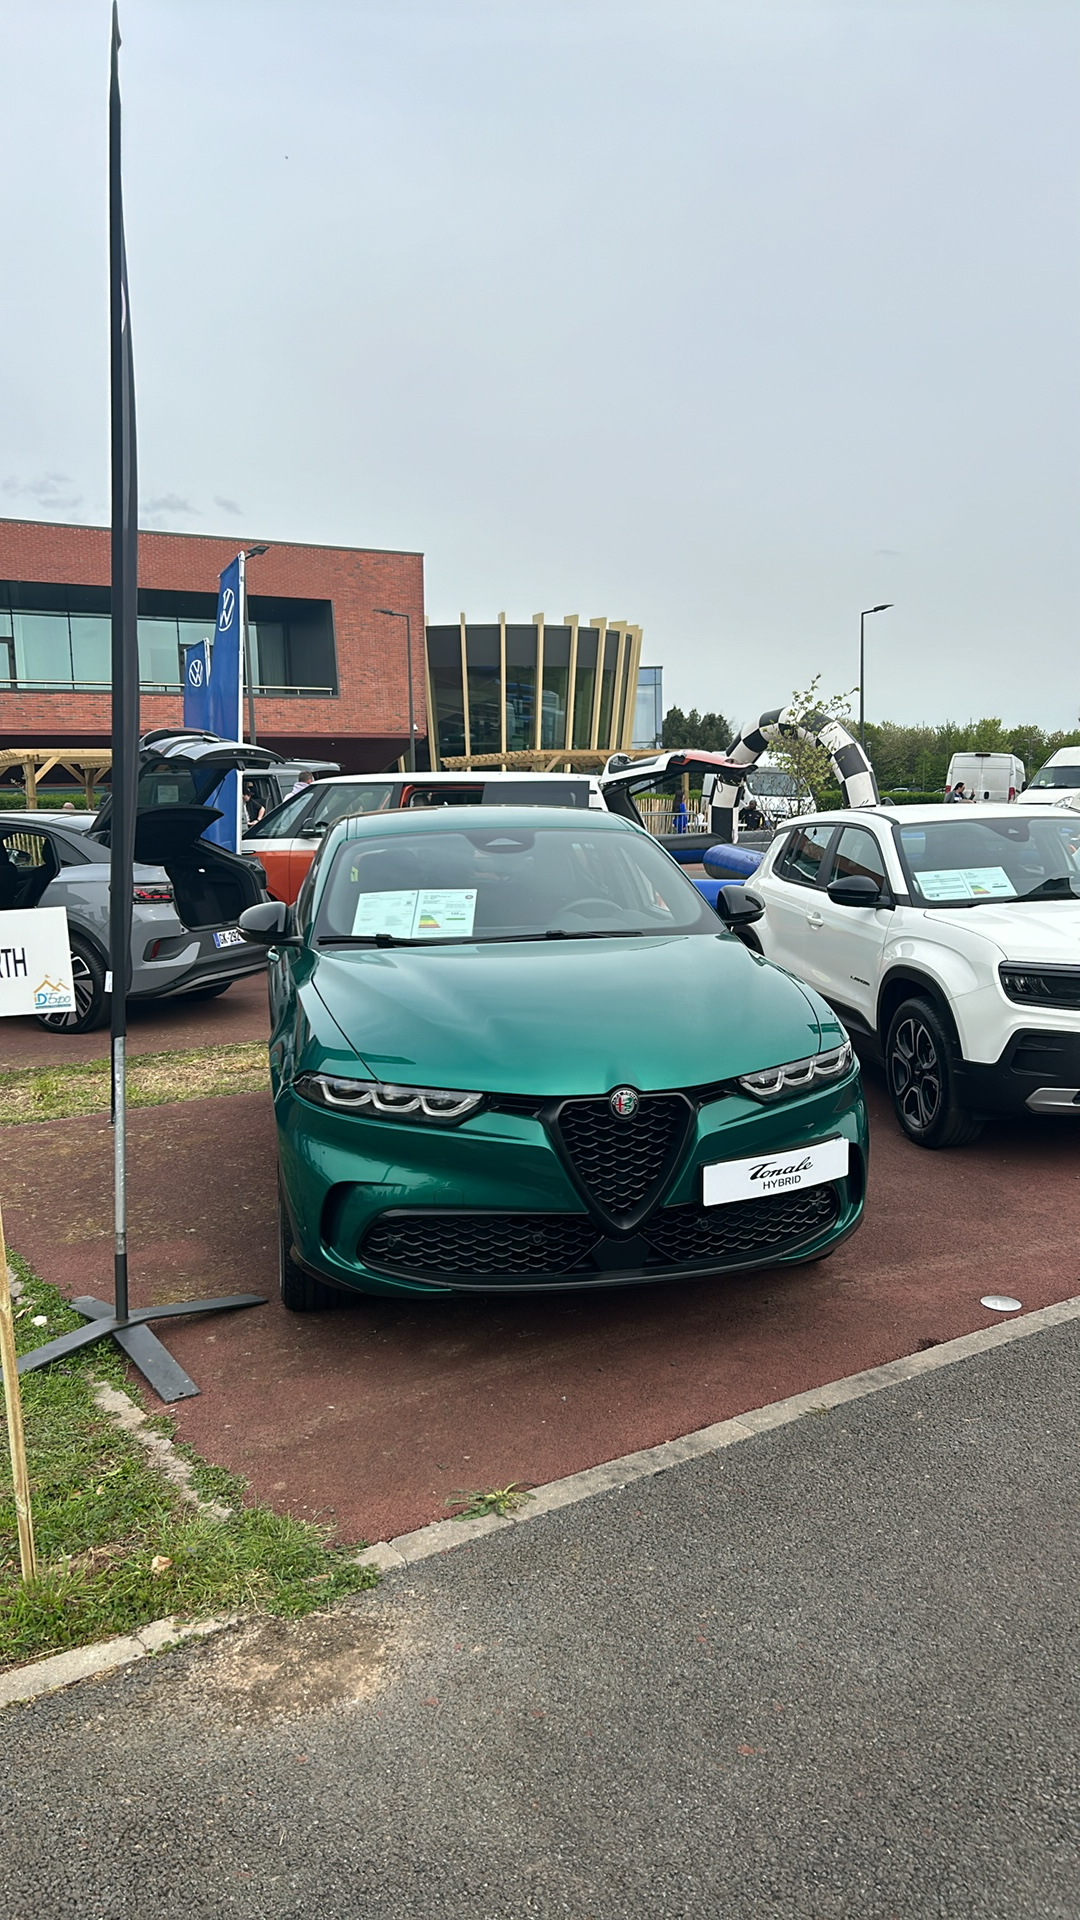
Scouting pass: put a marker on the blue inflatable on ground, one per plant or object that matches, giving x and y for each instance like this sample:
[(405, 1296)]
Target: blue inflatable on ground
[(730, 863)]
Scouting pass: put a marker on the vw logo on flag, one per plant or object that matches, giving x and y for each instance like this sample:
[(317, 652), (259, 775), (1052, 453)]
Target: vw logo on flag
[(195, 672), (228, 608)]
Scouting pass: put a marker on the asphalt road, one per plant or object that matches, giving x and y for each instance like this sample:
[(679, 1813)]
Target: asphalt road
[(828, 1674)]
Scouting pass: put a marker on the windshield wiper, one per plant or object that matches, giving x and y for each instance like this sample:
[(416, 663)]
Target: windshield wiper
[(481, 939), (370, 940)]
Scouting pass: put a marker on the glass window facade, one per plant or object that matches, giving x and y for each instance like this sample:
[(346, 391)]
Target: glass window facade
[(521, 651), (482, 651), (556, 686), (649, 708), (513, 683), (585, 684), (53, 638)]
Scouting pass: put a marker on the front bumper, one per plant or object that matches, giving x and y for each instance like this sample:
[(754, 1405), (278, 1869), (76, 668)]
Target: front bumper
[(1038, 1071), (391, 1207)]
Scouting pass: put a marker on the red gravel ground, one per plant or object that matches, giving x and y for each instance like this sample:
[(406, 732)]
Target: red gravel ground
[(154, 1026), (435, 1396)]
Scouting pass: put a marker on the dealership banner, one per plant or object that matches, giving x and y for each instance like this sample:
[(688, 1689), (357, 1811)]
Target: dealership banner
[(213, 691), (35, 962)]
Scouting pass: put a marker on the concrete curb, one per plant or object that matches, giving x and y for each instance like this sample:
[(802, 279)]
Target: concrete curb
[(387, 1556), (85, 1663), (442, 1536)]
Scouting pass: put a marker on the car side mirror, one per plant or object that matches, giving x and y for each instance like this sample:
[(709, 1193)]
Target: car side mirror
[(313, 830), (857, 890), (737, 907), (267, 925)]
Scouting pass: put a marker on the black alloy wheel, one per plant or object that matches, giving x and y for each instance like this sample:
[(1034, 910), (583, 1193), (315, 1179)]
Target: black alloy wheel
[(88, 980), (299, 1291), (919, 1063)]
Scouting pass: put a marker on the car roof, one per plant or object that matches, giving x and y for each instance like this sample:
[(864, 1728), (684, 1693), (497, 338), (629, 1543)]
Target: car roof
[(485, 774), (77, 822), (913, 816), (451, 819)]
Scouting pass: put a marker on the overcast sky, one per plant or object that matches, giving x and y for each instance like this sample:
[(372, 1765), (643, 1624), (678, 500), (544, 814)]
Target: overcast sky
[(728, 319)]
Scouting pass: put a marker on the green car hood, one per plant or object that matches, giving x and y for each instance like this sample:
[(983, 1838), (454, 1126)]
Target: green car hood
[(574, 1018)]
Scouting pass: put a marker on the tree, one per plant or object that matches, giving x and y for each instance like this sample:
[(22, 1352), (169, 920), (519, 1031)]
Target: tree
[(805, 758), (709, 732)]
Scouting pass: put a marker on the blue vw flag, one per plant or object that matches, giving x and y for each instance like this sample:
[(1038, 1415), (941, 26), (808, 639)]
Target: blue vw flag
[(197, 686), (213, 687)]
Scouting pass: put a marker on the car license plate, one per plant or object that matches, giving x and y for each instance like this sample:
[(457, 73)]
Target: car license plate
[(769, 1173), (231, 937)]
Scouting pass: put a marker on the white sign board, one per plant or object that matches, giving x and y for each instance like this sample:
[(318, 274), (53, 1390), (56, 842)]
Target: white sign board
[(728, 1180), (35, 962)]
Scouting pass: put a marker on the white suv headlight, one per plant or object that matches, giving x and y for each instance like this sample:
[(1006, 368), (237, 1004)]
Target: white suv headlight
[(374, 1097), (796, 1076)]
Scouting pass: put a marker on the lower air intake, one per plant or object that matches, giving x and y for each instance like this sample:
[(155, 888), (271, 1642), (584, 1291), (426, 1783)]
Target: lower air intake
[(429, 1245), (748, 1230)]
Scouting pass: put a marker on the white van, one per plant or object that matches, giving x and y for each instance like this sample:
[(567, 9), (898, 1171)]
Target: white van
[(987, 776), (776, 795), (1057, 783)]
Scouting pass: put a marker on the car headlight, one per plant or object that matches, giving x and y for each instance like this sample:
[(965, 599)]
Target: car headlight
[(1048, 986), (798, 1075), (371, 1097)]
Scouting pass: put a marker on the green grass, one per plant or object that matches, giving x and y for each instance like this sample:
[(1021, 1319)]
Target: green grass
[(102, 1516), (58, 1093)]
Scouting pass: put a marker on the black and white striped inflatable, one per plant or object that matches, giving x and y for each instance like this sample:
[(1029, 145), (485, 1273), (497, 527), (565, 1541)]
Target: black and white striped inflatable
[(849, 763)]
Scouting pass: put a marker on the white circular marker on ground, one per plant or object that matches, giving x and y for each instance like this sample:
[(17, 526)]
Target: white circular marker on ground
[(1000, 1303)]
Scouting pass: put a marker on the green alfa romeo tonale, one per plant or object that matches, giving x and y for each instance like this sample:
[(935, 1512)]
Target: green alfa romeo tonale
[(515, 1049)]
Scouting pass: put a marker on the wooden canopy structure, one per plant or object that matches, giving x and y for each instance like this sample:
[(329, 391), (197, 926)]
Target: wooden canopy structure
[(86, 768)]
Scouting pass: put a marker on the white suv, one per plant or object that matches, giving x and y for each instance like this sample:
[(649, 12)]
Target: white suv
[(950, 938)]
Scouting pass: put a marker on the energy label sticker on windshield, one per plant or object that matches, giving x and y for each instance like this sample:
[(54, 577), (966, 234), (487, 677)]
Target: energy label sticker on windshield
[(442, 912), (424, 913), (966, 883)]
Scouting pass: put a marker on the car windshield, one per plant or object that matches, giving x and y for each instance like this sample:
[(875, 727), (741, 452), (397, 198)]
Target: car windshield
[(505, 883), (769, 783), (1057, 777), (1011, 857)]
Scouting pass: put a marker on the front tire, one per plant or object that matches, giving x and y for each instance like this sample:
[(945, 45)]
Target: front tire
[(920, 1065), (299, 1292), (88, 980)]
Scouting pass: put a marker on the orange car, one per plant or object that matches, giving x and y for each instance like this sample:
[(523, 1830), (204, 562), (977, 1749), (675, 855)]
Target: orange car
[(286, 840)]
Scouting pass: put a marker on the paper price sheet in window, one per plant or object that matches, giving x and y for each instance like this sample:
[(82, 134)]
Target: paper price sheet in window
[(418, 913)]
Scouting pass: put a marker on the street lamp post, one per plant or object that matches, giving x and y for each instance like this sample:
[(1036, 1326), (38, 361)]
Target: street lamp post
[(251, 553), (391, 614), (885, 604)]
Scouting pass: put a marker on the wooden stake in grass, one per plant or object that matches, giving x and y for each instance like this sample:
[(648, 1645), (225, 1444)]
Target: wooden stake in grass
[(13, 1408)]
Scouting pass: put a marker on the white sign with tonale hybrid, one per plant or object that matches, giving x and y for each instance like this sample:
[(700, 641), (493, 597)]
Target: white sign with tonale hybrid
[(770, 1173), (35, 962)]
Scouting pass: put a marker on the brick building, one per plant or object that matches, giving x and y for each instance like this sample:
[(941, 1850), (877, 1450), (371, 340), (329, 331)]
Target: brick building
[(328, 668)]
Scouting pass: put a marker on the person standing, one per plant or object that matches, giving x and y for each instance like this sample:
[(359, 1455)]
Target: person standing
[(303, 782)]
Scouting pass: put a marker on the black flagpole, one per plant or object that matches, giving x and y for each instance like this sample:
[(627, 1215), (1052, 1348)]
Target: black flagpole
[(168, 1380)]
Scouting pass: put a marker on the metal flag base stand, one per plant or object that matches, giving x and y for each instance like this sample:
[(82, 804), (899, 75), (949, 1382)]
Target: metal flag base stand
[(133, 1335)]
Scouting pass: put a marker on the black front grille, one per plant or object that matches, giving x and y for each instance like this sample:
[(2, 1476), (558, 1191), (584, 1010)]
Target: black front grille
[(746, 1229), (426, 1243), (622, 1165)]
